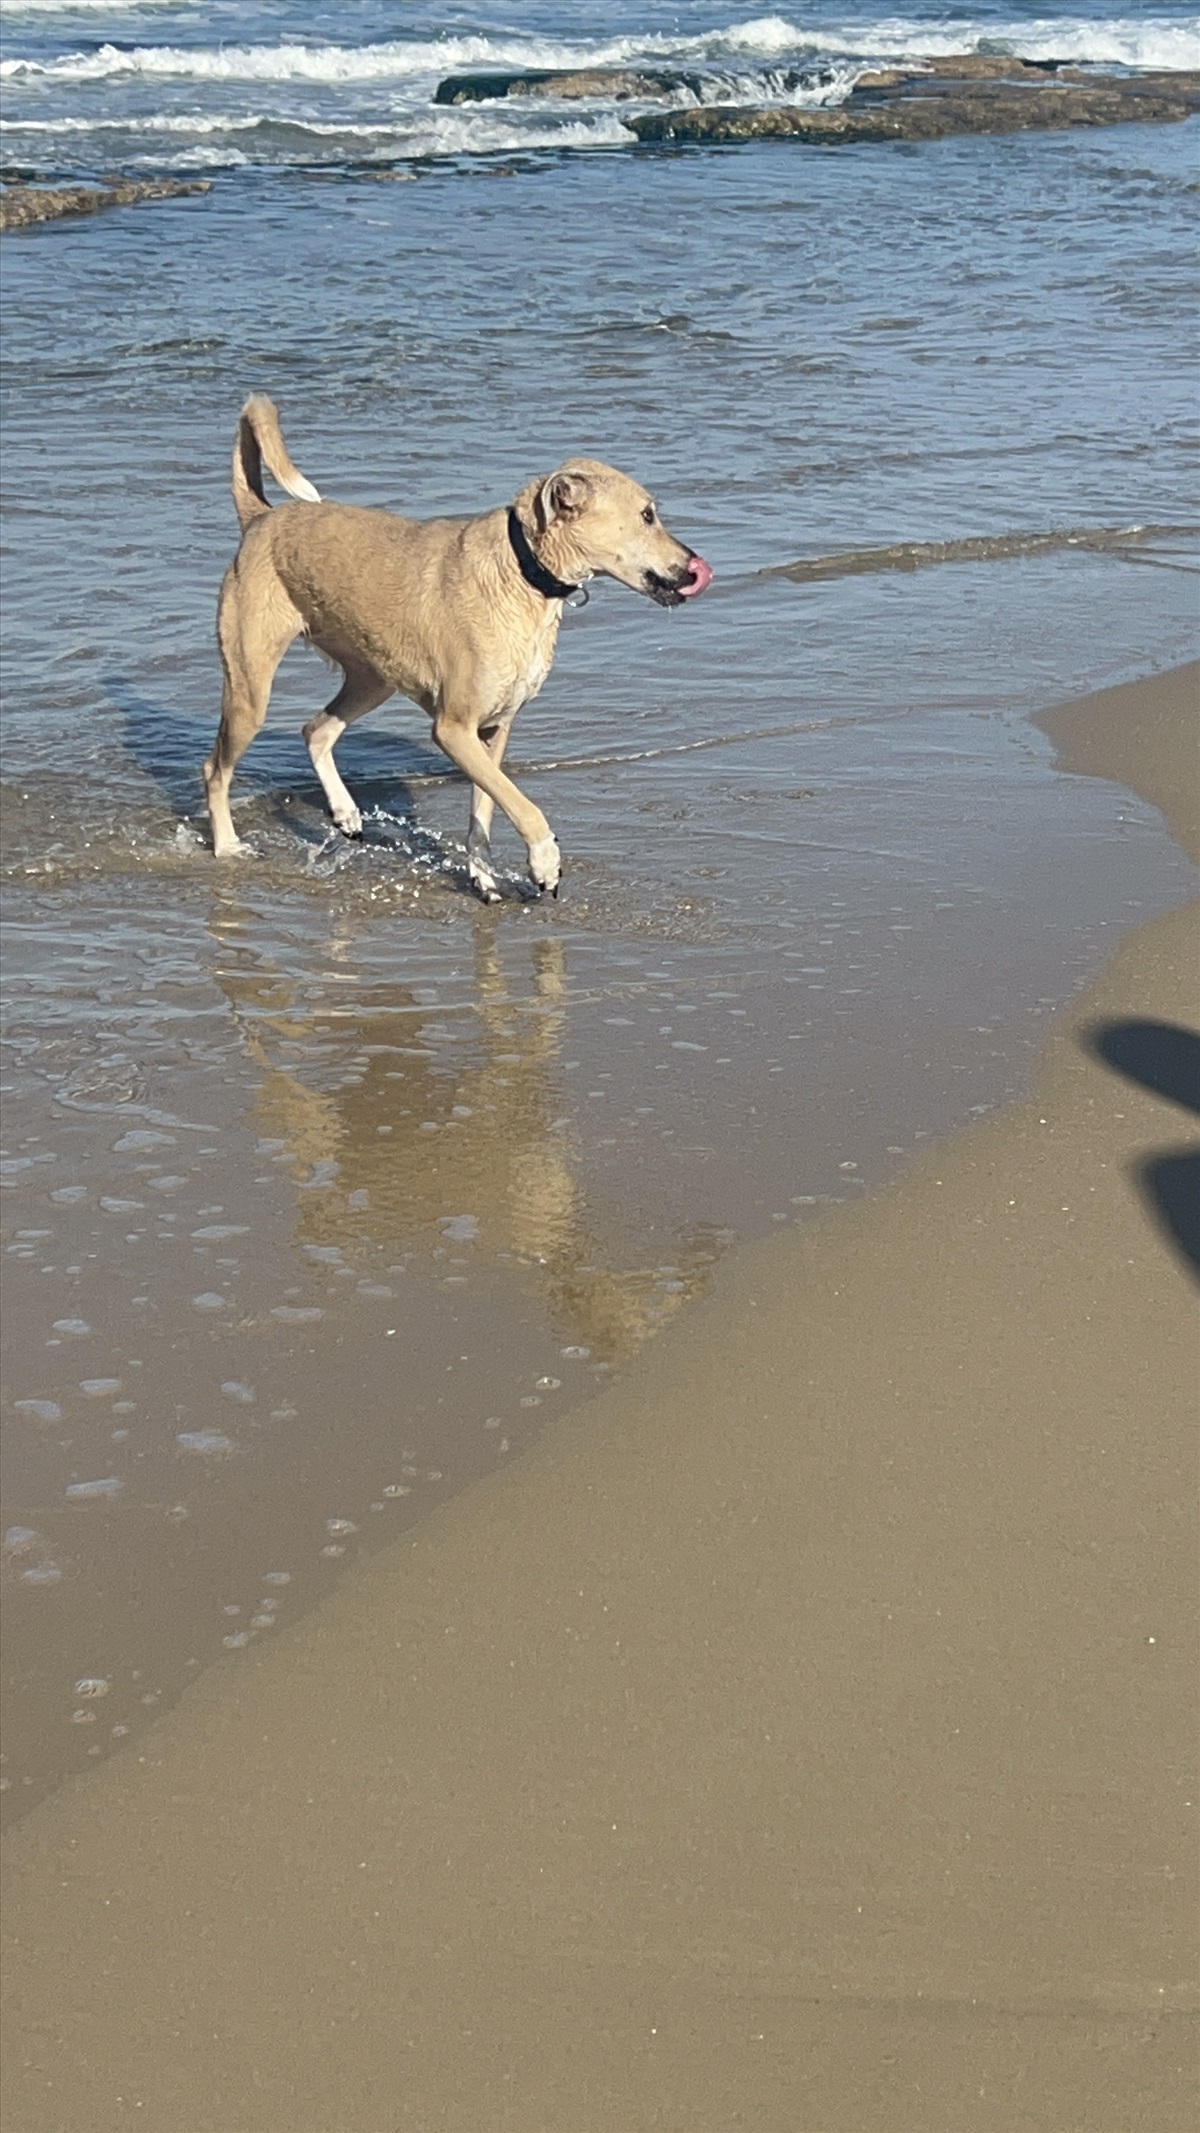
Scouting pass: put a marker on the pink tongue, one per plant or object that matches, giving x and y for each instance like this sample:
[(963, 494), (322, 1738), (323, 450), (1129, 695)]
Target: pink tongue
[(701, 576)]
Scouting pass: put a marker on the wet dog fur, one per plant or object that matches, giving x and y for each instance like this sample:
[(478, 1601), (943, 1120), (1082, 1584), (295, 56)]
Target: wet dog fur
[(461, 615)]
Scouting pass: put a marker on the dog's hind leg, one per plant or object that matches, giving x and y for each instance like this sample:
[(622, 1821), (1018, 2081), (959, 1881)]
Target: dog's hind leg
[(254, 632), (479, 829), (362, 690)]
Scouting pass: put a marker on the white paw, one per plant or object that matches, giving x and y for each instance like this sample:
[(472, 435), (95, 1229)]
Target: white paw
[(348, 819), (482, 879), (233, 848), (545, 863)]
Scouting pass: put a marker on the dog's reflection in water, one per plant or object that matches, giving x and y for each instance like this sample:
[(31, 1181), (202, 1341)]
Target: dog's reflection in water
[(413, 1129)]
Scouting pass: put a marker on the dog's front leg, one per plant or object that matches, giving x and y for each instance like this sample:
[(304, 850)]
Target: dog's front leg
[(458, 737), (479, 830)]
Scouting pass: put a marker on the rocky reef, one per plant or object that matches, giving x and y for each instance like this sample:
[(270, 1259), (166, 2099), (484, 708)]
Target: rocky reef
[(615, 84), (22, 203), (969, 95), (970, 92)]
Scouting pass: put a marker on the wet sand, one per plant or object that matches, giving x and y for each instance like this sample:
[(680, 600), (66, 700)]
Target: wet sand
[(802, 1736), (1145, 735)]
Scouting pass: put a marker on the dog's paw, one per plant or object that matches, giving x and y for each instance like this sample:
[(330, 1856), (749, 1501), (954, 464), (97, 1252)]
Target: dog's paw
[(545, 863), (349, 820), (482, 879)]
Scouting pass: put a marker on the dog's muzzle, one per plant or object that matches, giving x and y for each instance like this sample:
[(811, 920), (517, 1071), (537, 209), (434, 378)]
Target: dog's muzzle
[(672, 592)]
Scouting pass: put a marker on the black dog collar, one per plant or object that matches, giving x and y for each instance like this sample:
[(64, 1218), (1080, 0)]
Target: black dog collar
[(532, 570)]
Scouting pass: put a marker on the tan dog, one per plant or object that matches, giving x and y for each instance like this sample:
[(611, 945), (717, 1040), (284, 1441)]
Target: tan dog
[(461, 615)]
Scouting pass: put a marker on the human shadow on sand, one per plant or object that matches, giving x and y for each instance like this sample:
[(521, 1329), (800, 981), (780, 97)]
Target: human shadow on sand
[(1163, 1057)]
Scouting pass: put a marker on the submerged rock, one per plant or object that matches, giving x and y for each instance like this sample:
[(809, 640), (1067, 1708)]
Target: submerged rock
[(614, 83), (962, 66), (922, 100), (929, 107), (22, 204)]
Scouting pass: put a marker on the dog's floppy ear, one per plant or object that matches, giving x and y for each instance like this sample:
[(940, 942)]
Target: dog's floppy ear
[(564, 495)]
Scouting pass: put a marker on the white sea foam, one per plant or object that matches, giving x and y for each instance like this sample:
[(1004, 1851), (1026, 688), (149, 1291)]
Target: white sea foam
[(443, 134), (226, 143), (500, 125), (1126, 41), (325, 63), (157, 122)]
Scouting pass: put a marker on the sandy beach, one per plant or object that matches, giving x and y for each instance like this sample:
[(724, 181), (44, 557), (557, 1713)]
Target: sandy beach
[(802, 1736)]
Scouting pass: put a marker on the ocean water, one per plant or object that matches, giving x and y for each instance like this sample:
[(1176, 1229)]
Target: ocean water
[(186, 86), (323, 1185)]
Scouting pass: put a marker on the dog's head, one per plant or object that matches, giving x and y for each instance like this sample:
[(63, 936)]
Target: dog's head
[(597, 522)]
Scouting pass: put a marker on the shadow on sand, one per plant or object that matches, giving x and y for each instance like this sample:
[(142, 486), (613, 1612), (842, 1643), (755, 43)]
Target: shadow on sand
[(1163, 1057)]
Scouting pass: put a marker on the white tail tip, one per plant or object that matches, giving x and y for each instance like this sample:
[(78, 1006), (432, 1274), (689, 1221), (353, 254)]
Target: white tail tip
[(303, 490)]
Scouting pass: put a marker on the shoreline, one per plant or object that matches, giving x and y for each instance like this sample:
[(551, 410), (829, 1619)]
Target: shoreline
[(798, 1736), (1144, 735), (218, 1271)]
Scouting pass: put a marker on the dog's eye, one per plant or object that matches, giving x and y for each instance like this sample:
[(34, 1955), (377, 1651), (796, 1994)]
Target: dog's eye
[(648, 515)]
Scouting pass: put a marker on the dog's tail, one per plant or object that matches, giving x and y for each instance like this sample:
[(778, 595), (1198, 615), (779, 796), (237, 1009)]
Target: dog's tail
[(259, 438)]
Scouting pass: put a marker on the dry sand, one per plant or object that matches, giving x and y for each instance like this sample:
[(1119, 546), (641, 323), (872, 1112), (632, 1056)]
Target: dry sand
[(802, 1738)]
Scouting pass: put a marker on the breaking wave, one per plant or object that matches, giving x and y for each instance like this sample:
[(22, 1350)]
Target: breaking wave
[(1124, 41), (238, 139), (979, 548)]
